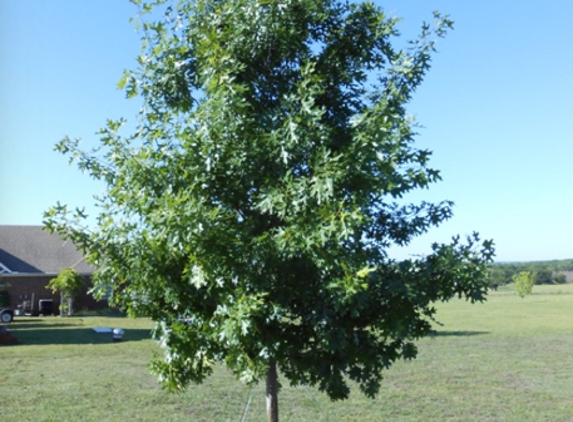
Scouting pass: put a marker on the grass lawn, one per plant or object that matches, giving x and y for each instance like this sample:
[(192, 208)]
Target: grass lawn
[(510, 359)]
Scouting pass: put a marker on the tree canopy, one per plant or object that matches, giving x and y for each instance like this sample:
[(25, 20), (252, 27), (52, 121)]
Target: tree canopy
[(523, 283), (68, 283), (251, 212), (543, 272)]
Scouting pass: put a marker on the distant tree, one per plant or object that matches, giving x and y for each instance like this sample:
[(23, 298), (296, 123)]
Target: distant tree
[(68, 283), (543, 276), (565, 265), (251, 212), (560, 278), (523, 283), (499, 275), (543, 272)]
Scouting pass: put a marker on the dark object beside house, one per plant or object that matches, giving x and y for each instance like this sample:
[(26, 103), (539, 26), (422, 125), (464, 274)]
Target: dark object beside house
[(46, 307), (29, 259)]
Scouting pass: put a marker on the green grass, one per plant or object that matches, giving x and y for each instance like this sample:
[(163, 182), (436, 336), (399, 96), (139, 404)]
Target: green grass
[(509, 359)]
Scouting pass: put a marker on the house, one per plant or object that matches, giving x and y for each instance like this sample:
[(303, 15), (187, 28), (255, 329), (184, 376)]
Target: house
[(29, 258)]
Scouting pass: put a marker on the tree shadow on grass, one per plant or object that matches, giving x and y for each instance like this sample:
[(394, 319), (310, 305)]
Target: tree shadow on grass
[(447, 333), (19, 324), (74, 335)]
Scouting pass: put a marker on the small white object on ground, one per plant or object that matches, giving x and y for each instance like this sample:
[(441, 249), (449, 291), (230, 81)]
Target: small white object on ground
[(117, 334)]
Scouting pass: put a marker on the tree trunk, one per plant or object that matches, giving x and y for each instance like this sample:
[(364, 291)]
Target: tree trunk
[(272, 393)]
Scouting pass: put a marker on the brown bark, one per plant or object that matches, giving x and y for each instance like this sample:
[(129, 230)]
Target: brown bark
[(272, 393)]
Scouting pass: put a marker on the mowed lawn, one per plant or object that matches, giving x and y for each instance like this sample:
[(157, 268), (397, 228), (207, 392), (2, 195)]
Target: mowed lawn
[(509, 359)]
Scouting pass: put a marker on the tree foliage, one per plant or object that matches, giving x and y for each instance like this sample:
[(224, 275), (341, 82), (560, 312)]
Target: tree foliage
[(523, 283), (543, 276), (251, 212), (68, 283), (544, 272)]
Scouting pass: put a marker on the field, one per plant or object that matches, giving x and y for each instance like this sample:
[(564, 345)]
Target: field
[(509, 359)]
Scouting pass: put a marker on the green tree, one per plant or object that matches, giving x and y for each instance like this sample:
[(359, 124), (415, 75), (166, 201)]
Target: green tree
[(68, 283), (543, 276), (251, 212), (499, 275), (560, 278), (523, 283)]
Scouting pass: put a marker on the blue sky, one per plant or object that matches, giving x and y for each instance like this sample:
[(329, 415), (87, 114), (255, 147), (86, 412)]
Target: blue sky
[(495, 109)]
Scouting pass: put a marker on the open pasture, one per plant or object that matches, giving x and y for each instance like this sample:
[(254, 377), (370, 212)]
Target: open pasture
[(509, 359)]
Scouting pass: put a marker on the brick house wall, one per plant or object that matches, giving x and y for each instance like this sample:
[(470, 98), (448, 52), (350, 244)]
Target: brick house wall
[(22, 287), (30, 257)]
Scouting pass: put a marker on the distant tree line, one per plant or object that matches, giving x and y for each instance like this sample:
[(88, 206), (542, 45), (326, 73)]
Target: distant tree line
[(543, 272)]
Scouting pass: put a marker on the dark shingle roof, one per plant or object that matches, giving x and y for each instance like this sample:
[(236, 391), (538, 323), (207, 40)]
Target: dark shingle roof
[(29, 249)]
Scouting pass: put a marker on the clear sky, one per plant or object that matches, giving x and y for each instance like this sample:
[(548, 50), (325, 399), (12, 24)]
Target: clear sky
[(496, 110)]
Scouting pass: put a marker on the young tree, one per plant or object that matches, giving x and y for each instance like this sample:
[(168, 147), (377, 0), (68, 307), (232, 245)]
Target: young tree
[(523, 283), (68, 283), (251, 212)]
